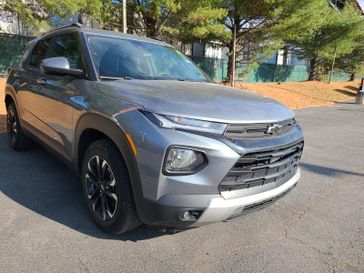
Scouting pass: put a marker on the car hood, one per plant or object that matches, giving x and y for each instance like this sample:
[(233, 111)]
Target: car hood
[(206, 101)]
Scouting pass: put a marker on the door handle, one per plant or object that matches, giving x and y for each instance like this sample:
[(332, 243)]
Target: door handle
[(41, 81)]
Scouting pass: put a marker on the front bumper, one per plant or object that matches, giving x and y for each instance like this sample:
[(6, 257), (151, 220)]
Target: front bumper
[(214, 208), (220, 209)]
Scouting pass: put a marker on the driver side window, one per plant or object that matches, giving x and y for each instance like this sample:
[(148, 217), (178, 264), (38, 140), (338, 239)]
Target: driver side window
[(66, 46), (39, 52)]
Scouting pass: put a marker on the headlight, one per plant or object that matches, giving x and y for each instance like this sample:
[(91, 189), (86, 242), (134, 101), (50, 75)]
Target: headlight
[(180, 160), (188, 124)]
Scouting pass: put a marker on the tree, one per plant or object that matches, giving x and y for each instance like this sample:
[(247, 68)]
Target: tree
[(31, 13), (111, 17), (183, 20), (196, 20), (37, 14), (254, 23), (146, 17), (322, 33), (352, 63)]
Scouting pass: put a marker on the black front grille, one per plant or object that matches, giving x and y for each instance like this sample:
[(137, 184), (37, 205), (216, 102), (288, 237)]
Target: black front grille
[(243, 131), (260, 168)]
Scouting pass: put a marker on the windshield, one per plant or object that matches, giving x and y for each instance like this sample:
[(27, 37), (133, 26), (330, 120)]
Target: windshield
[(125, 58)]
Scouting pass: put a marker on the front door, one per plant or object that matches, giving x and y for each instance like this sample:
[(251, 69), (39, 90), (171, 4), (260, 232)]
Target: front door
[(48, 98)]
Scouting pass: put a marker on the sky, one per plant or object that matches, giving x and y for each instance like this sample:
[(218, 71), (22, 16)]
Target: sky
[(361, 2)]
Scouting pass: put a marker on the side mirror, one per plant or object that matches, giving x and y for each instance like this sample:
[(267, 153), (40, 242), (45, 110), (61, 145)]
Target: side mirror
[(59, 65)]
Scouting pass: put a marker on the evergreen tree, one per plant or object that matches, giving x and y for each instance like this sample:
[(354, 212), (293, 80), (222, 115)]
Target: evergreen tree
[(320, 33), (197, 20), (254, 22), (37, 14)]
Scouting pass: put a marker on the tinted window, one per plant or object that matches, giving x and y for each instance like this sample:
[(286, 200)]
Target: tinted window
[(39, 52), (66, 46), (118, 57)]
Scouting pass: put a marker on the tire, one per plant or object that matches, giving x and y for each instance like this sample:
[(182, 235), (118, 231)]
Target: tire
[(16, 137), (107, 188)]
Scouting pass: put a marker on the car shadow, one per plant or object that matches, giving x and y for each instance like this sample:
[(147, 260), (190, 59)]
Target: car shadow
[(39, 181), (333, 172), (345, 92), (352, 88)]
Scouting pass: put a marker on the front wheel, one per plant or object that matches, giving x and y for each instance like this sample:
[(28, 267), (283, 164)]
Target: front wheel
[(107, 188)]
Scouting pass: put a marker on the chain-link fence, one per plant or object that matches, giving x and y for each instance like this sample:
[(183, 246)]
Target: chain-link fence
[(11, 49)]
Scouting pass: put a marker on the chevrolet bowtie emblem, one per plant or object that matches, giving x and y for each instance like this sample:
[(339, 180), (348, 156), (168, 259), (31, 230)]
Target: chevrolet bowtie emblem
[(275, 129)]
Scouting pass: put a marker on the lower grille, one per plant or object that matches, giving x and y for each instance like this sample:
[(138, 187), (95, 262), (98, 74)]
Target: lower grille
[(261, 205), (260, 168)]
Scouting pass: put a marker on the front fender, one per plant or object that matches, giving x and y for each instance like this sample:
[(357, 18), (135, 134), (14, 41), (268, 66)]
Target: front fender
[(110, 128)]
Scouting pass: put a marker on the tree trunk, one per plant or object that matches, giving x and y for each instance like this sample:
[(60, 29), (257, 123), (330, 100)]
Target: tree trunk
[(81, 18), (352, 76), (152, 29), (153, 32), (315, 72), (230, 63)]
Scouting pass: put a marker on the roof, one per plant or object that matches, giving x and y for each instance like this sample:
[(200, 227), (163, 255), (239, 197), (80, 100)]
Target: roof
[(78, 27)]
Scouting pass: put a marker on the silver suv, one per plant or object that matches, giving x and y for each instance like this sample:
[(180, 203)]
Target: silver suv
[(151, 137)]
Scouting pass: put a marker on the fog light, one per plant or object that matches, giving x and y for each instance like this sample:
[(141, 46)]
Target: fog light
[(183, 161), (190, 215)]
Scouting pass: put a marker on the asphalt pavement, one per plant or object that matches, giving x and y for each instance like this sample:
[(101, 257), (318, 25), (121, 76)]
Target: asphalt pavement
[(317, 227)]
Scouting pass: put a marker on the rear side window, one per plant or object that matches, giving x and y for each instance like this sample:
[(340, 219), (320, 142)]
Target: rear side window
[(39, 52), (25, 56), (66, 46)]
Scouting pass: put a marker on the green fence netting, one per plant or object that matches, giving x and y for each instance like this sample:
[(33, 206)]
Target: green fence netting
[(216, 69), (337, 76), (271, 73), (11, 49)]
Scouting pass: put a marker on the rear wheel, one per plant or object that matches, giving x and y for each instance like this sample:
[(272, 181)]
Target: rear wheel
[(16, 137), (107, 188)]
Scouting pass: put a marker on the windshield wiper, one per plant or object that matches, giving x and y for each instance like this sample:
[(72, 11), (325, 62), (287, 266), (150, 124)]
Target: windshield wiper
[(115, 78)]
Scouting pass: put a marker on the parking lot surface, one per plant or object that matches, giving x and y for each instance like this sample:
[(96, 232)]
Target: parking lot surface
[(317, 227)]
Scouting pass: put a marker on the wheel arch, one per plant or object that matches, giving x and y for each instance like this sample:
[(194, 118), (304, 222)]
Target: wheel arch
[(10, 96), (8, 99), (91, 127)]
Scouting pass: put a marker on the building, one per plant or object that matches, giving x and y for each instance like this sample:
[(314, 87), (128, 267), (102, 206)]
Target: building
[(212, 49), (10, 23)]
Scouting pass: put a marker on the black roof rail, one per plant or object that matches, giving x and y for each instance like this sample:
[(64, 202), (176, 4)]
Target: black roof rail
[(79, 25), (158, 38)]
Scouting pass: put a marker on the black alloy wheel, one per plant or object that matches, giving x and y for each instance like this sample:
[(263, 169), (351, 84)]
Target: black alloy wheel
[(107, 188), (101, 188)]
